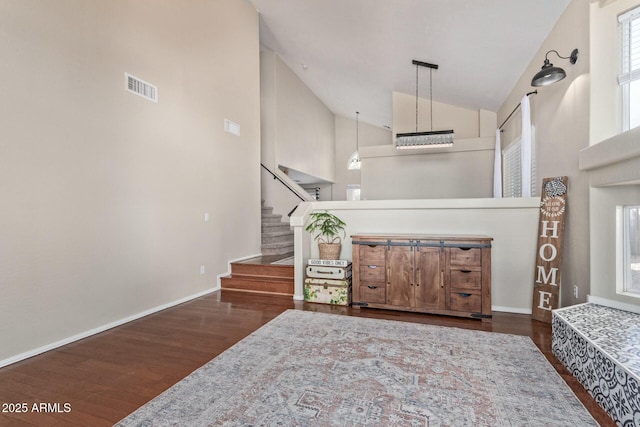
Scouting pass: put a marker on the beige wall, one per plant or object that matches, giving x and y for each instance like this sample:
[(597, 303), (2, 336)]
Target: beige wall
[(464, 122), (560, 114), (103, 192), (298, 128), (464, 171), (345, 146)]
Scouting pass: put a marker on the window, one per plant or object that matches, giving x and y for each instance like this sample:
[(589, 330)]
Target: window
[(629, 78), (512, 172), (353, 192), (511, 182), (630, 258)]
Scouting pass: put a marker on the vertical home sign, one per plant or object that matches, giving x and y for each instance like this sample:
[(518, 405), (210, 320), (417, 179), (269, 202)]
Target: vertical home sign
[(546, 287)]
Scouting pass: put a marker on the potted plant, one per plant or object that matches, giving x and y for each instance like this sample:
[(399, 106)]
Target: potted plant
[(327, 229)]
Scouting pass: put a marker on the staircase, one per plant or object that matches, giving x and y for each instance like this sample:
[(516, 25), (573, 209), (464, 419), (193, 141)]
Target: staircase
[(277, 236), (260, 274)]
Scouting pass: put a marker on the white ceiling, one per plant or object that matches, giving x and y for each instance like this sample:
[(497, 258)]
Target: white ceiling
[(353, 53)]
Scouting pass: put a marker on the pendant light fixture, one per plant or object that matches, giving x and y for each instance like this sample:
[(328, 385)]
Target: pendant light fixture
[(438, 138), (550, 74), (354, 162)]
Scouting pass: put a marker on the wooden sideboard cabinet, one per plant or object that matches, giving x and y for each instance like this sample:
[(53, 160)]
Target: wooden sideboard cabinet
[(423, 273)]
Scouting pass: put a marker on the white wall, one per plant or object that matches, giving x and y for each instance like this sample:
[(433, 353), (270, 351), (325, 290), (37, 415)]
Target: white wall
[(299, 130), (603, 233), (511, 222), (612, 159), (560, 113), (103, 192)]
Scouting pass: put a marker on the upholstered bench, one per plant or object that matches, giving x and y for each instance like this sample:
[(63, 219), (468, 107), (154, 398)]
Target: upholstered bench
[(601, 347)]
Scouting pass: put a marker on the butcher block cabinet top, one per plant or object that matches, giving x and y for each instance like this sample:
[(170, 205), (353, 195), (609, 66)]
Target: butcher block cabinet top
[(440, 274)]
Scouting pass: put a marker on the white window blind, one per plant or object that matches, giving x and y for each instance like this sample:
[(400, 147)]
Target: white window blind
[(511, 185), (512, 170), (629, 78)]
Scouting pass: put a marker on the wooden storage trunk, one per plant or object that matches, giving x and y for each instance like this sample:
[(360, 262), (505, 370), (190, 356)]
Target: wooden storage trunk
[(325, 272), (327, 291)]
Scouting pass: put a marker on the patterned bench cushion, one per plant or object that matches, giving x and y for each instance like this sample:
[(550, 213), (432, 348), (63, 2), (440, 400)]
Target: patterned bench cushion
[(601, 347)]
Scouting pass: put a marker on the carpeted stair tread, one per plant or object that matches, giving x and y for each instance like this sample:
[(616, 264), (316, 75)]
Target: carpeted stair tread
[(277, 236)]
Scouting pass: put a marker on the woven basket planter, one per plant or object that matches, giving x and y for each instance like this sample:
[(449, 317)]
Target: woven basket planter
[(330, 250)]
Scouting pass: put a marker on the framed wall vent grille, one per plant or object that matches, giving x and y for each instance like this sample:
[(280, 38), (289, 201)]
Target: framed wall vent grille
[(140, 87)]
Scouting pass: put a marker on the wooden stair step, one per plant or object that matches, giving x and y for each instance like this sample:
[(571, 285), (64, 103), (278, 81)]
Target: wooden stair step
[(276, 271), (245, 283)]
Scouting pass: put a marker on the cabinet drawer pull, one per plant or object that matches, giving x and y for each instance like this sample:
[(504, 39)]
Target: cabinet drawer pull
[(372, 246), (372, 287), (372, 266), (464, 295), (465, 249), (465, 271)]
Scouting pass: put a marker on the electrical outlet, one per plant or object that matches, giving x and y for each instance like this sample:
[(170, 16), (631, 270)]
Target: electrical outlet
[(206, 217), (575, 291), (201, 269)]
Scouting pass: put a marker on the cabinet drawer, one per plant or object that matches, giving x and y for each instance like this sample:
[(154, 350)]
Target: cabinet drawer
[(372, 254), (465, 256), (466, 279), (373, 293), (372, 272), (463, 301)]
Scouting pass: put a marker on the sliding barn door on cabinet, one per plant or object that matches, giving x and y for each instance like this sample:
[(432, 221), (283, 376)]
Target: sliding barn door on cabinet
[(430, 291), (401, 276)]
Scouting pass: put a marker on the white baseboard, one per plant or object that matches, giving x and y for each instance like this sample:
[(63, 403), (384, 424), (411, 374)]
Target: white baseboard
[(99, 329), (614, 304), (512, 310)]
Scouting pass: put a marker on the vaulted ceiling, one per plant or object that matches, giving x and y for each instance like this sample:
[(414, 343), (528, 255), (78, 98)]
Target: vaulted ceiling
[(353, 53)]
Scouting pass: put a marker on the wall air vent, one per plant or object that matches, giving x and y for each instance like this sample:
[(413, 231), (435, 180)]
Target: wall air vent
[(140, 87), (231, 127)]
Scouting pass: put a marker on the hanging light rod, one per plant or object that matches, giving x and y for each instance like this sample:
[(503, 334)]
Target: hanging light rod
[(355, 162), (424, 64), (413, 140)]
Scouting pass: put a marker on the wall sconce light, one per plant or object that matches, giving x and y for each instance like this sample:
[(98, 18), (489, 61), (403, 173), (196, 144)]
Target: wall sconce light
[(439, 138), (550, 74)]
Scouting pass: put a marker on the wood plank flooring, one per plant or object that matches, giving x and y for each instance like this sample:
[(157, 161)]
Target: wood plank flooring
[(108, 376)]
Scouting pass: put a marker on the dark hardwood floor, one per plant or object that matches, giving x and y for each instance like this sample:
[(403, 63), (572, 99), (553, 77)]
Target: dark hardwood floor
[(105, 377)]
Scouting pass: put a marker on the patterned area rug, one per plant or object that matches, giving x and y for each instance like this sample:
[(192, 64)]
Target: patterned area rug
[(306, 368)]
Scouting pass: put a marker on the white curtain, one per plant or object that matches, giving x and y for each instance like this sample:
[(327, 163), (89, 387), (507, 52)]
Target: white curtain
[(525, 147), (497, 167)]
